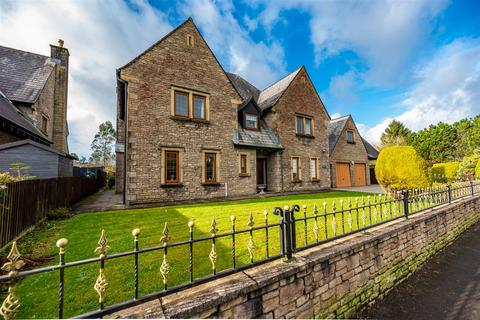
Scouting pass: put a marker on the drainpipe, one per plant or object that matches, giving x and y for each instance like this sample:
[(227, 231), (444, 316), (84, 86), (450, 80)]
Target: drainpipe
[(226, 190), (281, 170), (125, 121)]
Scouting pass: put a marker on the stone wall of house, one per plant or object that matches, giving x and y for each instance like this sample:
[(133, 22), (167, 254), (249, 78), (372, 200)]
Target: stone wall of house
[(347, 152), (152, 129), (333, 280), (43, 106), (301, 98)]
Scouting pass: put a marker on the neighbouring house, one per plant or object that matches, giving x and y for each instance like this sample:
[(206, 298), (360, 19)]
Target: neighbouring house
[(372, 160), (33, 107), (187, 130), (88, 170), (349, 156)]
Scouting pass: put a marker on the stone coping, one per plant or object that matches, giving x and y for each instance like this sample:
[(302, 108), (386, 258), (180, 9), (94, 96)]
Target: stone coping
[(206, 296)]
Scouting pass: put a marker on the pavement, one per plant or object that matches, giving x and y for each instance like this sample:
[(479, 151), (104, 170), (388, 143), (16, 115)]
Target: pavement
[(104, 200), (447, 287), (373, 188)]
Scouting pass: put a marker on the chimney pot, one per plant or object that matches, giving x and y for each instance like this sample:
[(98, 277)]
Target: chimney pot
[(60, 43)]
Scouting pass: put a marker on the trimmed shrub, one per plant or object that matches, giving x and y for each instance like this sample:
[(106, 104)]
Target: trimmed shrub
[(400, 167), (477, 170), (445, 172), (466, 171), (59, 214)]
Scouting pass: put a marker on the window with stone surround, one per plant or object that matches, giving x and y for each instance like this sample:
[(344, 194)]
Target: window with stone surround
[(304, 125), (172, 167), (296, 169), (189, 104), (243, 164), (210, 167), (314, 169), (44, 124)]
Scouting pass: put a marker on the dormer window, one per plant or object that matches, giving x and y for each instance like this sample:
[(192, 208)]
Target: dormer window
[(251, 121), (350, 137)]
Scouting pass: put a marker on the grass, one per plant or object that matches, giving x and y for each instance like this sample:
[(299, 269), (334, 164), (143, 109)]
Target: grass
[(39, 293)]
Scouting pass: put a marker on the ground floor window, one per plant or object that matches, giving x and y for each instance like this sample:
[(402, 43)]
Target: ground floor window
[(243, 164), (314, 168), (296, 174), (172, 164), (210, 167)]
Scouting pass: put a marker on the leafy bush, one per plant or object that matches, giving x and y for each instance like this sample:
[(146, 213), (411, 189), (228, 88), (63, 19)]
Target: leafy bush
[(59, 214), (6, 177), (400, 167), (477, 170), (466, 170), (445, 172), (110, 179)]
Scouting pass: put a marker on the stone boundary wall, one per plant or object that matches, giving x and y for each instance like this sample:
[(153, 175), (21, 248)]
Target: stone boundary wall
[(333, 280)]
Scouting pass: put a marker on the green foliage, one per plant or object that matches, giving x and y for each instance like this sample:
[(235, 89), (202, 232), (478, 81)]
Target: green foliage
[(102, 145), (436, 143), (444, 172), (6, 177), (110, 179), (20, 169), (400, 167), (395, 134), (477, 170), (59, 214), (467, 168)]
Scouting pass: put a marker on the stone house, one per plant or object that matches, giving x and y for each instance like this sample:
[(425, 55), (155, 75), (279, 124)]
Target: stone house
[(33, 102), (188, 130), (349, 158)]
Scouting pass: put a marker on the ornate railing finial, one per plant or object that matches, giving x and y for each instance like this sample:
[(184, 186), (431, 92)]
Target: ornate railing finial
[(11, 304)]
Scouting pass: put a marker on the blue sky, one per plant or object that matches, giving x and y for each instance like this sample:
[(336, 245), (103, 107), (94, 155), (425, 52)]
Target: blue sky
[(415, 61)]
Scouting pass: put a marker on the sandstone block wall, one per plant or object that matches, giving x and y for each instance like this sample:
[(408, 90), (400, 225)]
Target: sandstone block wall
[(334, 280)]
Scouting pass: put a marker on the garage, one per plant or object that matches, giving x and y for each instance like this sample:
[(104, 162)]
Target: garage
[(342, 171), (359, 171)]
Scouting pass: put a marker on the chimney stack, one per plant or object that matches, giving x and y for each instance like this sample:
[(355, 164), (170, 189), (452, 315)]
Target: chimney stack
[(60, 53), (60, 43)]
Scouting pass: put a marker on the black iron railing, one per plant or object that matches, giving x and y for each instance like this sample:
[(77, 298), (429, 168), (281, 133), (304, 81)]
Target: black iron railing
[(294, 231)]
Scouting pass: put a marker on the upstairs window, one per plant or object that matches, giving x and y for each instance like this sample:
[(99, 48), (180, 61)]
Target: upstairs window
[(304, 126), (172, 167), (199, 103), (350, 137), (251, 121), (181, 104), (188, 104), (210, 167)]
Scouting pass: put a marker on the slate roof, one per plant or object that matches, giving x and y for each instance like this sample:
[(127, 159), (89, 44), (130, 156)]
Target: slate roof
[(35, 144), (335, 128), (264, 98), (371, 150), (11, 113), (23, 74), (244, 88), (264, 138)]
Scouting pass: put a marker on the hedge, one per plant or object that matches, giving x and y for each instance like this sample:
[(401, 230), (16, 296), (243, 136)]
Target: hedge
[(400, 167), (467, 168), (477, 170), (445, 172)]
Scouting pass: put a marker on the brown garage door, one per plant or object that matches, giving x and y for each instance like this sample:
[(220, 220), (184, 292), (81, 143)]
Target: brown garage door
[(342, 171), (359, 171)]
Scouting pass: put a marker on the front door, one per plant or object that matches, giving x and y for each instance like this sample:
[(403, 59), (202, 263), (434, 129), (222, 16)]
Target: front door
[(262, 172)]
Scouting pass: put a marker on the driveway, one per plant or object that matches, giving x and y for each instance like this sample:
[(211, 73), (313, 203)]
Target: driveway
[(373, 188), (104, 200)]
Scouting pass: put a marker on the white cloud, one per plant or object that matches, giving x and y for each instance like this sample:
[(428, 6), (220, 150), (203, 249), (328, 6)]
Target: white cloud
[(335, 115), (382, 33), (447, 89), (100, 35), (260, 63), (343, 87)]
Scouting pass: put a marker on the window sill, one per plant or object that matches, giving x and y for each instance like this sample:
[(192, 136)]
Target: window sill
[(187, 119), (244, 175), (296, 181), (211, 184), (315, 180), (308, 136), (351, 142), (171, 185)]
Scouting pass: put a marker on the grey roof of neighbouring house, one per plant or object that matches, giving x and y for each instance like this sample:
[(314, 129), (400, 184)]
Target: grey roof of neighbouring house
[(11, 113), (371, 150), (263, 138), (23, 74), (35, 144), (335, 128), (264, 98)]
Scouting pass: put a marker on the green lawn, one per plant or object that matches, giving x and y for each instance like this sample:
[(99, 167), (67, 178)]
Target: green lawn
[(39, 293)]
